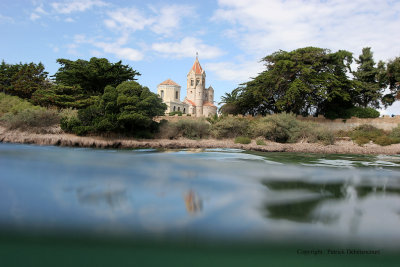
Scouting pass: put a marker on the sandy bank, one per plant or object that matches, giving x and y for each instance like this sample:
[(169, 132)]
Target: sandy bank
[(58, 138)]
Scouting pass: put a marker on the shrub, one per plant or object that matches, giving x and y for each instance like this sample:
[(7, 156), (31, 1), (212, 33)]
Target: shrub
[(395, 133), (230, 127), (260, 142), (13, 104), (366, 133), (31, 118), (192, 129), (277, 127), (173, 113), (361, 112), (242, 140)]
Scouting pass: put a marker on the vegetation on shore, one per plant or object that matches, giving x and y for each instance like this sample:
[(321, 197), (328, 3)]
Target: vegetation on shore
[(315, 81), (97, 97)]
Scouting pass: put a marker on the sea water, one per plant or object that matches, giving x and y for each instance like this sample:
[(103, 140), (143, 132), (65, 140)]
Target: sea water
[(228, 195)]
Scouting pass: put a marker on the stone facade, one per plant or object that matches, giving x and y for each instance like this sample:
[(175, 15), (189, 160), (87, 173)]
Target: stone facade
[(199, 101), (170, 92), (199, 98)]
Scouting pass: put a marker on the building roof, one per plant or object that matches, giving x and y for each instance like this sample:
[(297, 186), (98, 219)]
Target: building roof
[(206, 103), (196, 67), (169, 82), (190, 102)]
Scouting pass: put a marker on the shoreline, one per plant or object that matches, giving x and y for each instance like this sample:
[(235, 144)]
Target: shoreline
[(59, 138)]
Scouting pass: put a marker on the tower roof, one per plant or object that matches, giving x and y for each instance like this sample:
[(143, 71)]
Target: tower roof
[(169, 82), (196, 67)]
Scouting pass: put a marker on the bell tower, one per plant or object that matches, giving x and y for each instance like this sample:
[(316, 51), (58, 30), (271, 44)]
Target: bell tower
[(196, 80)]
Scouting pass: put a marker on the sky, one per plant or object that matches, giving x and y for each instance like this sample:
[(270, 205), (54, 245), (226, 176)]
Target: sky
[(160, 38)]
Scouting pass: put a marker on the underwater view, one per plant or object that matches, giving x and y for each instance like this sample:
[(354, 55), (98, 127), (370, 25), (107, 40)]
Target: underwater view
[(294, 204)]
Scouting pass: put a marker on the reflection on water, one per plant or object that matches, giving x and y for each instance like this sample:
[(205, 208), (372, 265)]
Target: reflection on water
[(216, 193), (193, 202)]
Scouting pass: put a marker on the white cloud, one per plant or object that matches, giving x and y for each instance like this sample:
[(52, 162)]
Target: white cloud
[(169, 18), (68, 7), (187, 47), (37, 13), (238, 72), (115, 48), (69, 20), (262, 27), (162, 21), (127, 19)]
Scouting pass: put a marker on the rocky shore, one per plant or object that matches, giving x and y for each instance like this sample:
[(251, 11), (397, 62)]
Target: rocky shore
[(58, 138)]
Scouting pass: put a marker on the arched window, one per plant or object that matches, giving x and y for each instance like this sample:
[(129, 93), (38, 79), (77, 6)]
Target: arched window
[(184, 110), (174, 108), (162, 94), (176, 95), (197, 81), (179, 108), (191, 82)]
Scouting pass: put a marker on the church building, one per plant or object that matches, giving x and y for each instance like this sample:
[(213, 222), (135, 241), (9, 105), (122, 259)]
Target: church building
[(199, 99)]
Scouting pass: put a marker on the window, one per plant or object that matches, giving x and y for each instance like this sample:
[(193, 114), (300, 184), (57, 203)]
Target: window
[(162, 94), (191, 82), (174, 108), (184, 110), (176, 94), (179, 108), (197, 81)]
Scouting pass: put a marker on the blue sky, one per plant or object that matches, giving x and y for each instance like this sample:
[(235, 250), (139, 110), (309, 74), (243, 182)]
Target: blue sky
[(160, 39)]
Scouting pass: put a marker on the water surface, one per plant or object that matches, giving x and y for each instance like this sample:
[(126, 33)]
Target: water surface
[(211, 194)]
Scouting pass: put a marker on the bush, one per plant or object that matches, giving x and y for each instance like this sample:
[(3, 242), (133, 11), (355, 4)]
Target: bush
[(173, 113), (277, 127), (358, 112), (365, 133), (285, 127), (192, 129), (13, 104), (260, 142), (31, 118), (230, 127), (242, 140), (395, 133), (361, 112)]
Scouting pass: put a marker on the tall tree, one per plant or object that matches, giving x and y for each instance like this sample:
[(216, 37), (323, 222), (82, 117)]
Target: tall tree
[(93, 75), (22, 79), (367, 79), (305, 81), (393, 78)]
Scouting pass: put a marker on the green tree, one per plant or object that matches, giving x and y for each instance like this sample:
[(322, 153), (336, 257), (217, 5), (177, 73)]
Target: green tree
[(22, 79), (229, 101), (129, 108), (93, 75), (368, 79), (304, 81), (62, 96), (393, 79)]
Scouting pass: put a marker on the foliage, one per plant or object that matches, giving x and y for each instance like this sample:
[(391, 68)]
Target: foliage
[(230, 127), (22, 79), (395, 133), (285, 127), (173, 113), (127, 109), (16, 113), (359, 112), (313, 81), (13, 104), (242, 140), (193, 129), (365, 133), (93, 75), (369, 80), (62, 96), (260, 142), (393, 79)]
